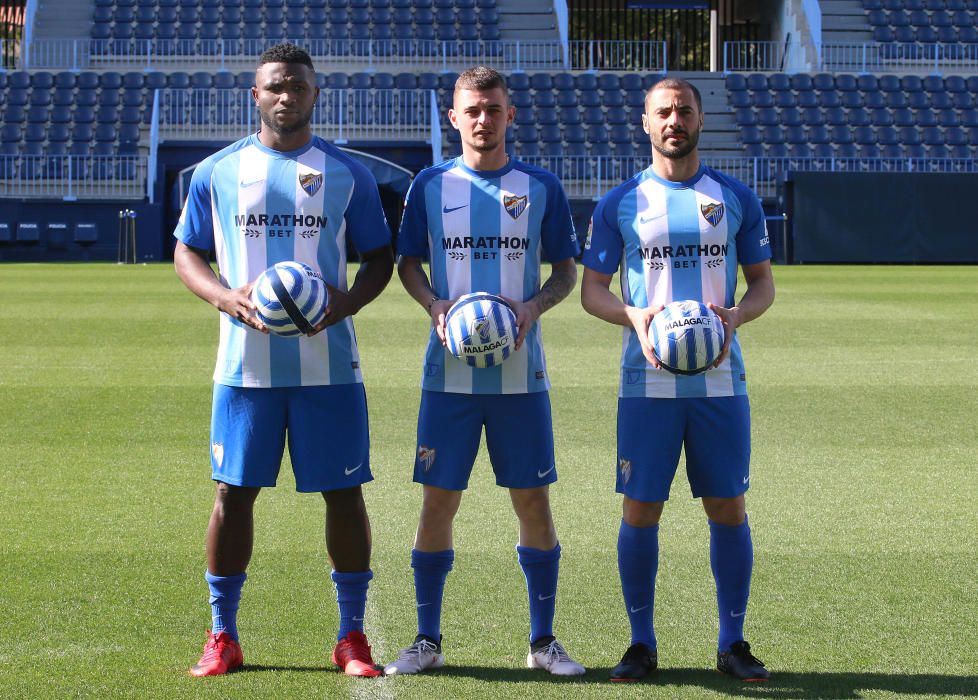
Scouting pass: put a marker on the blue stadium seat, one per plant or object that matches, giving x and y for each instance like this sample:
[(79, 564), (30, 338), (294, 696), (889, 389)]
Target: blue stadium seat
[(202, 79), (586, 82), (107, 114), (864, 135), (616, 115), (896, 100), (846, 82), (807, 98), (852, 99), (868, 151), (829, 98), (801, 82), (598, 133), (17, 96), (81, 133), (874, 100), (761, 98), (575, 134), (757, 81), (859, 117), (620, 133), (590, 98), (767, 116), (754, 150), (903, 117), (948, 118), (735, 82), (633, 81), (867, 83), (130, 115), (751, 135), (793, 134), (812, 116), (800, 151), (60, 114), (773, 134), (40, 97), (841, 134), (569, 115), (551, 133), (86, 98), (790, 116)]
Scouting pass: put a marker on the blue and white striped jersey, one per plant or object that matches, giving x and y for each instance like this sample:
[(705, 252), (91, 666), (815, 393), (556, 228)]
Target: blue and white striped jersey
[(487, 231), (674, 241), (254, 207)]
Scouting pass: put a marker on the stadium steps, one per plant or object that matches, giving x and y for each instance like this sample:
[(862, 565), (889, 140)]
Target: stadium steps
[(59, 20), (845, 21), (721, 136), (530, 20)]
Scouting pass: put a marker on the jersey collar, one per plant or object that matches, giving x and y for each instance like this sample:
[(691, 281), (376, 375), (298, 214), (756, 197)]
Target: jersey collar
[(255, 141), (681, 184), (487, 174)]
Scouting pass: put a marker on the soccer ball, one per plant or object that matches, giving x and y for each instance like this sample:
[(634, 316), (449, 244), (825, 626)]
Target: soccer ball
[(290, 298), (480, 329), (686, 337)]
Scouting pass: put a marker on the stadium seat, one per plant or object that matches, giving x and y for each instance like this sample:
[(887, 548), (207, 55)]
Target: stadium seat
[(903, 117), (735, 82), (801, 82)]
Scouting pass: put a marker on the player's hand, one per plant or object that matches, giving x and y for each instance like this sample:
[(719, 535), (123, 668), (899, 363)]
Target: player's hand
[(527, 312), (641, 319), (439, 310), (339, 307), (731, 321), (237, 304)]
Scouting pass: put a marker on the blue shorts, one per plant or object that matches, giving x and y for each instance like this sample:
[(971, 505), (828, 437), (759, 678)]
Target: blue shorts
[(329, 442), (519, 435), (715, 433)]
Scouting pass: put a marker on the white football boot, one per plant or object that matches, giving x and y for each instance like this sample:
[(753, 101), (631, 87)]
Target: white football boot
[(554, 658), (420, 656)]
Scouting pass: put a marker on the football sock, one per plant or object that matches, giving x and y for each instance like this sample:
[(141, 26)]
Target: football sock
[(540, 567), (731, 558), (225, 596), (351, 595), (638, 563), (430, 571)]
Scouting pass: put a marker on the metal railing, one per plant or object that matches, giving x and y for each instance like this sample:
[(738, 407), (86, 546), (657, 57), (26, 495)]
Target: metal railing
[(874, 58), (368, 54), (73, 177), (201, 114), (638, 56), (865, 57), (590, 177), (753, 56)]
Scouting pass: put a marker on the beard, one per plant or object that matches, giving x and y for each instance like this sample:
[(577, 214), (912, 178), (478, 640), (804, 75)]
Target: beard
[(485, 144), (301, 123), (677, 152)]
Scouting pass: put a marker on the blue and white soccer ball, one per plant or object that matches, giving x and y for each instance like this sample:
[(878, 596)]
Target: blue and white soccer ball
[(686, 337), (290, 298), (480, 329)]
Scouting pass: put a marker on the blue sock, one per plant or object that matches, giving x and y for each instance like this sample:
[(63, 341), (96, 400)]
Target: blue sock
[(731, 558), (351, 596), (225, 596), (540, 568), (430, 571), (638, 563)]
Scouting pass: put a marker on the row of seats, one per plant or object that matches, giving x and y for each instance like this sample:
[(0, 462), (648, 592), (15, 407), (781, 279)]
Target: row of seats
[(831, 99), (814, 116), (963, 155), (916, 5), (862, 135), (292, 4), (925, 35), (81, 167), (845, 82), (518, 82), (299, 16)]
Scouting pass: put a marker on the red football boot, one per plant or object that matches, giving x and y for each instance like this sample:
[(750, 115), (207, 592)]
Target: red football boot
[(352, 655), (221, 654)]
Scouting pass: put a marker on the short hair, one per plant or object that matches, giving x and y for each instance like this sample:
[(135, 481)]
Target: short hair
[(480, 78), (285, 53), (679, 84)]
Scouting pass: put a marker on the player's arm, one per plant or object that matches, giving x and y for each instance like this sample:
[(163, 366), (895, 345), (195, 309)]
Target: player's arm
[(563, 277), (418, 285), (598, 300), (195, 272), (756, 300), (376, 268)]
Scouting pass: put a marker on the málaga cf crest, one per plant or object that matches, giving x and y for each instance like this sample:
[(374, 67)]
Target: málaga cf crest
[(311, 182), (514, 205), (712, 212)]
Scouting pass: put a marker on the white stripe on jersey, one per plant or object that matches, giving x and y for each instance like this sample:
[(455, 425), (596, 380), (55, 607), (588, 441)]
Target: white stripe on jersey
[(456, 200), (516, 182)]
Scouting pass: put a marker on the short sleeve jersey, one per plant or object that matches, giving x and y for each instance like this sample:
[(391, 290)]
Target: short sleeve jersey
[(487, 231), (255, 206), (673, 241)]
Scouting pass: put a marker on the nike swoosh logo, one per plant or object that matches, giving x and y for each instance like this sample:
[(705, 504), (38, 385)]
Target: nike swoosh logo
[(635, 610), (449, 210), (358, 619), (540, 596), (251, 182), (540, 474), (746, 479), (644, 220), (421, 605), (733, 614), (348, 471)]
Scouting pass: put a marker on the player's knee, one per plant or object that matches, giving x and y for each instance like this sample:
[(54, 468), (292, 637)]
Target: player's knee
[(438, 511), (532, 507), (725, 511), (229, 497), (641, 513)]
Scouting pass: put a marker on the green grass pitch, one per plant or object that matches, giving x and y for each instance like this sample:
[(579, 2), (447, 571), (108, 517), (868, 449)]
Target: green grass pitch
[(863, 383)]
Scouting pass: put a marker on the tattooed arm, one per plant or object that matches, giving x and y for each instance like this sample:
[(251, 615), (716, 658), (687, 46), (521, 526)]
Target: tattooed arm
[(563, 277)]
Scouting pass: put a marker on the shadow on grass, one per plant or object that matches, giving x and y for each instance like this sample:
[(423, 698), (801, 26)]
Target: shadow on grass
[(782, 685)]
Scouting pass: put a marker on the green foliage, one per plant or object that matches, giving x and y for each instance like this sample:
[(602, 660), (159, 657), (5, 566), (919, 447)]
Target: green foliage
[(862, 503)]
